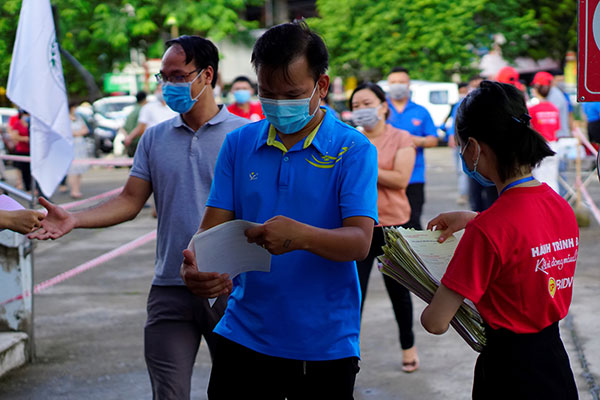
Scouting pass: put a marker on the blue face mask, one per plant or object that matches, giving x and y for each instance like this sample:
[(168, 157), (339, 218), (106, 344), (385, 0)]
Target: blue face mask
[(178, 96), (288, 116), (482, 180), (241, 96)]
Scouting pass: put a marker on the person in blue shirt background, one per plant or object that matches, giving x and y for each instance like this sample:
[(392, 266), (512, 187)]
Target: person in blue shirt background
[(311, 182), (462, 178), (404, 114), (592, 115)]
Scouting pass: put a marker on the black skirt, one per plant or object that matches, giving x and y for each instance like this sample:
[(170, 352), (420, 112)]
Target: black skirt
[(524, 366)]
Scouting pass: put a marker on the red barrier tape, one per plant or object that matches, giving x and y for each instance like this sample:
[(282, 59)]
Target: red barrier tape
[(110, 162), (85, 266)]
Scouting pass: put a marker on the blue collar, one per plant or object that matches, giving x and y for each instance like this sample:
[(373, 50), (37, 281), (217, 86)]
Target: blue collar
[(517, 182)]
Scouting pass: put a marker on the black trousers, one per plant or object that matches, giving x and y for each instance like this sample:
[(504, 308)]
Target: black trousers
[(416, 197), (399, 295), (241, 373), (25, 168), (481, 197), (524, 367)]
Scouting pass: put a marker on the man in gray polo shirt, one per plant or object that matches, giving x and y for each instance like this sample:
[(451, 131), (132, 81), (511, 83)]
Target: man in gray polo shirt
[(175, 159)]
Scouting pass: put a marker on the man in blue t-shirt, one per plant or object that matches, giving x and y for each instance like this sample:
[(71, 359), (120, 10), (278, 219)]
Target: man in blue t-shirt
[(311, 182), (404, 114)]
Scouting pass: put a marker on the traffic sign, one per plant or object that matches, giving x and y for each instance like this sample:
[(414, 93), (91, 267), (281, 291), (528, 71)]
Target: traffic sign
[(588, 71)]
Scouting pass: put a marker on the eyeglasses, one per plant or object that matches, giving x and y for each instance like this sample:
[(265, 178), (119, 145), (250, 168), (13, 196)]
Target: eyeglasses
[(162, 78)]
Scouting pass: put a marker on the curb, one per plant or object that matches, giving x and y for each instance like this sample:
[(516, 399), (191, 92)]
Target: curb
[(13, 350)]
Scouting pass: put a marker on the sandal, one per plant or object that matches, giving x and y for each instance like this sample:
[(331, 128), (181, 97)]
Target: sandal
[(410, 366)]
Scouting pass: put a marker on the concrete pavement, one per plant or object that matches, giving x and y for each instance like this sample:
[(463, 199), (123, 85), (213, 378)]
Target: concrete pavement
[(89, 329)]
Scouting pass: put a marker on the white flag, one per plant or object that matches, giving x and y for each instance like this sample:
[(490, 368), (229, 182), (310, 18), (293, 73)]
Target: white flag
[(36, 84)]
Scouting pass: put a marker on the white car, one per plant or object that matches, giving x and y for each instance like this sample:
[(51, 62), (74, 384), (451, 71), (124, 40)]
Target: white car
[(109, 115), (5, 114)]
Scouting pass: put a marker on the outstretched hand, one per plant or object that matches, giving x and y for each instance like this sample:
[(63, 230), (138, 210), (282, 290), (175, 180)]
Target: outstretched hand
[(57, 223), (450, 222), (203, 284)]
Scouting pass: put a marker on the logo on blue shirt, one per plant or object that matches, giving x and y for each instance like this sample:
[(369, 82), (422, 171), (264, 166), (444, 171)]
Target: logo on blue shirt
[(326, 161)]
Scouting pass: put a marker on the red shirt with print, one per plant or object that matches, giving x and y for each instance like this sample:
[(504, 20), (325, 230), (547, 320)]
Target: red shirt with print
[(516, 260), (545, 119), (254, 112)]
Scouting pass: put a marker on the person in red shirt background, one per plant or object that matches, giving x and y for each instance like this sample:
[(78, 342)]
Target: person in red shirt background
[(545, 119), (516, 260), (18, 129), (243, 91)]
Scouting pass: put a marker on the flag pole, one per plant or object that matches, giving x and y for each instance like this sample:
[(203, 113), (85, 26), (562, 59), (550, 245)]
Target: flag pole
[(30, 328)]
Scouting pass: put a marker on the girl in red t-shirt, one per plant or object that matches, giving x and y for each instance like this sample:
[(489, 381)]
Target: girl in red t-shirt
[(514, 262), (19, 132)]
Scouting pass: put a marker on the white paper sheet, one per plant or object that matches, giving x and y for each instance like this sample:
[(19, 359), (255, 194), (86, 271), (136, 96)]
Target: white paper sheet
[(225, 249), (436, 256), (9, 204)]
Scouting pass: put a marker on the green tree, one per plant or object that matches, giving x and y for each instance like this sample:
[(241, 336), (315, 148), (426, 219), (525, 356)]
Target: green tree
[(435, 39), (101, 33)]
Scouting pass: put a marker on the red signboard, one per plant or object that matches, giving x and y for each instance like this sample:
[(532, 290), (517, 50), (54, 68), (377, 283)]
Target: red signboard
[(588, 63)]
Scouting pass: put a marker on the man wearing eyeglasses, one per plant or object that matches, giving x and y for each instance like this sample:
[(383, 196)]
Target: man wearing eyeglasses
[(176, 160)]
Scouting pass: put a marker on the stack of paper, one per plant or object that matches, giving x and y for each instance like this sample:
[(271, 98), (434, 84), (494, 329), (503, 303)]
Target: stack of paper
[(417, 261), (225, 249)]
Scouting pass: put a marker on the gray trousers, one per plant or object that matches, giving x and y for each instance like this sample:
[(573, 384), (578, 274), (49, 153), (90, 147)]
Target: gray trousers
[(177, 320)]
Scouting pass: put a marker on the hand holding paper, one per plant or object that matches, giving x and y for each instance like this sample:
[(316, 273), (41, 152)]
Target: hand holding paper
[(417, 260), (203, 284), (450, 222), (219, 254), (277, 235), (15, 217)]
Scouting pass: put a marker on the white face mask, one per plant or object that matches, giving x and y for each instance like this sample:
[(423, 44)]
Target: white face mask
[(366, 117), (399, 91)]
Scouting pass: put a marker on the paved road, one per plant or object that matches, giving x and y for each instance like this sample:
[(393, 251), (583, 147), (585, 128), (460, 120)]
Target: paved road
[(89, 329)]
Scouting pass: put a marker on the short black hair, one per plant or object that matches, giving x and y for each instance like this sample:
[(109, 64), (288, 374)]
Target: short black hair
[(496, 114), (543, 90), (399, 69), (373, 87), (462, 85), (140, 96), (282, 44), (199, 50), (242, 78)]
